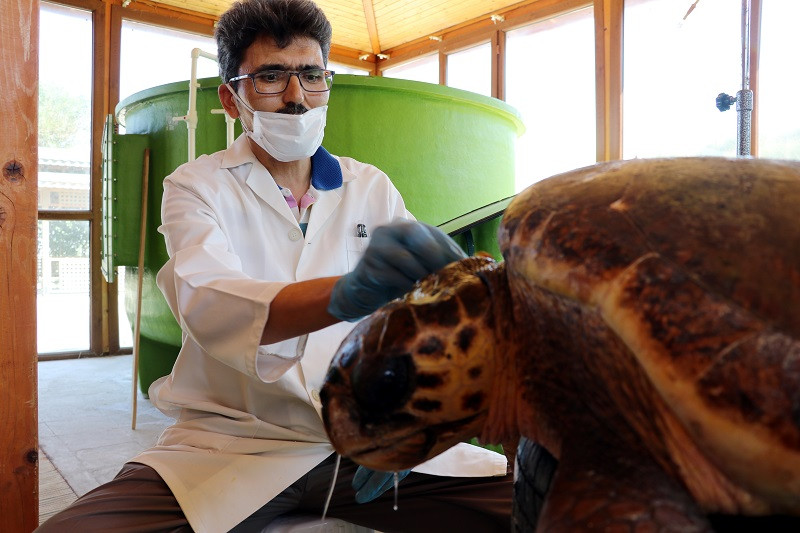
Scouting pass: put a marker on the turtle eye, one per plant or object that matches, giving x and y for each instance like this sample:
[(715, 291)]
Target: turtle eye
[(383, 384)]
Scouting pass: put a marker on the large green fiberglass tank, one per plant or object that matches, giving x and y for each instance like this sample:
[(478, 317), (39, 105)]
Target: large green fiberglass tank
[(449, 152)]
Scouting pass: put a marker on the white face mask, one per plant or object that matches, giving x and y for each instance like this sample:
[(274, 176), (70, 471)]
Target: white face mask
[(287, 137)]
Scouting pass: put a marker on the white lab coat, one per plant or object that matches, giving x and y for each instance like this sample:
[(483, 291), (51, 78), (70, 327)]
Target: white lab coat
[(248, 416)]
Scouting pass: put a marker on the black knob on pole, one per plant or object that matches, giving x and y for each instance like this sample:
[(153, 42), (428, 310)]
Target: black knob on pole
[(725, 101)]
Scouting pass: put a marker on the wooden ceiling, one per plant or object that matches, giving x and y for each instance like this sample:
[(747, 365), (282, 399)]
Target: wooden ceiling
[(375, 26)]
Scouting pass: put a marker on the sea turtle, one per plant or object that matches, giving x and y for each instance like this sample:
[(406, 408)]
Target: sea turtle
[(644, 328)]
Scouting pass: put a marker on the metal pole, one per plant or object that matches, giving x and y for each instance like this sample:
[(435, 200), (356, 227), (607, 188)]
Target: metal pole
[(744, 98)]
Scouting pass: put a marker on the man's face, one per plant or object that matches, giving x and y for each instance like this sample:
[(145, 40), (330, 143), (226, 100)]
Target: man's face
[(302, 53)]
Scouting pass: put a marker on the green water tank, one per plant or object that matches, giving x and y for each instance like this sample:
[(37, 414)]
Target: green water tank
[(449, 152)]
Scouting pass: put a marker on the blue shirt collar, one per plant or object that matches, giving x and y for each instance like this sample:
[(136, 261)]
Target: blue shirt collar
[(326, 174)]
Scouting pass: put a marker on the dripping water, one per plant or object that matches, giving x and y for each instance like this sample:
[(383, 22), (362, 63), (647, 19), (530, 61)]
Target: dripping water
[(396, 482), (333, 484)]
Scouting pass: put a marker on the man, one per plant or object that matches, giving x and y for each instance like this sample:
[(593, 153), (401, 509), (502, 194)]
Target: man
[(269, 265)]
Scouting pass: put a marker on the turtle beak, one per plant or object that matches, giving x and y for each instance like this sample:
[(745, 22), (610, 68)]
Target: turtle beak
[(397, 443), (365, 395), (385, 451), (362, 409), (366, 421)]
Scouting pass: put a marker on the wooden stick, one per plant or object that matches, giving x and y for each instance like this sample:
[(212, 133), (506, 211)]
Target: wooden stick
[(140, 282)]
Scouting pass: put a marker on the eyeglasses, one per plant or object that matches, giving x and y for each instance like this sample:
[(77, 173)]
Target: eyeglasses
[(313, 80)]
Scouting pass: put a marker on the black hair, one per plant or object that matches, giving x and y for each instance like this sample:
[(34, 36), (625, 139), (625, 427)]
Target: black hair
[(283, 20)]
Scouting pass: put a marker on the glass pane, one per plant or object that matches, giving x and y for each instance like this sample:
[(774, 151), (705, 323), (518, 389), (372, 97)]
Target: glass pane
[(65, 105), (62, 286), (423, 69), (340, 68), (675, 66), (550, 80), (471, 69), (141, 43), (778, 108)]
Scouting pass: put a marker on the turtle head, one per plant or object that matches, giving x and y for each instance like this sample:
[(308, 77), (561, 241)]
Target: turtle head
[(415, 377)]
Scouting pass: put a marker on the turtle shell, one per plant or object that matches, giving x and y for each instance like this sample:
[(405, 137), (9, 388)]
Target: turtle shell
[(694, 263)]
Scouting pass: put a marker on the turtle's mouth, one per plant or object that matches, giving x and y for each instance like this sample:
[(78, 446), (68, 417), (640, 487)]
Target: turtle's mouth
[(409, 449)]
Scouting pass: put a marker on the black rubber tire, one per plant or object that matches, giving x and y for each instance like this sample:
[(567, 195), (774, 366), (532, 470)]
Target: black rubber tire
[(533, 471)]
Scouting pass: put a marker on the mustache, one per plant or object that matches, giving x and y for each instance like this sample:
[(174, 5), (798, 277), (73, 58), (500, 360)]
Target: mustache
[(293, 108)]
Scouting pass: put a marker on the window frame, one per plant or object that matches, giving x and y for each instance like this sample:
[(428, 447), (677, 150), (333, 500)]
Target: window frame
[(103, 314)]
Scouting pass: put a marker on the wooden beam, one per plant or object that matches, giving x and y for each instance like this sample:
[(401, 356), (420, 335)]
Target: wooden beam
[(66, 214), (499, 65), (99, 331), (608, 19), (162, 15), (112, 29), (372, 26), (481, 28), (19, 469), (352, 57), (89, 5)]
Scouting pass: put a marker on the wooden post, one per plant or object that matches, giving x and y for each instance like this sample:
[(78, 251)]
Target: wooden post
[(19, 472)]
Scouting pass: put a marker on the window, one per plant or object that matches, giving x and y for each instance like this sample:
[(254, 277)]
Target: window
[(423, 69), (153, 56), (550, 80), (62, 295), (65, 105), (675, 66), (65, 101), (471, 69), (340, 68), (778, 110)]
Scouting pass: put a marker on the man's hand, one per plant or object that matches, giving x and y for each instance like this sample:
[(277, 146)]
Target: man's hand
[(370, 484), (398, 255)]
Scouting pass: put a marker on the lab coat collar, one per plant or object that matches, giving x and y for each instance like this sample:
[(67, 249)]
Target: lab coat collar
[(238, 153), (326, 177), (263, 184), (326, 172)]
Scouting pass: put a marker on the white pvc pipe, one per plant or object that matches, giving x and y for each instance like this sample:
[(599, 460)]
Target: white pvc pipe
[(191, 115), (229, 123), (746, 13)]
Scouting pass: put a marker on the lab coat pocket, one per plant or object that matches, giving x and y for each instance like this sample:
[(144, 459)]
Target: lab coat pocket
[(356, 246)]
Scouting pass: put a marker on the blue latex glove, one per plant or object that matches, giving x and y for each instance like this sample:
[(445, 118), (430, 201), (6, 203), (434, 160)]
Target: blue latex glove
[(370, 484), (398, 255)]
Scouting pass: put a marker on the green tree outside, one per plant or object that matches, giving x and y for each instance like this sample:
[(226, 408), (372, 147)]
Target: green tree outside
[(64, 118)]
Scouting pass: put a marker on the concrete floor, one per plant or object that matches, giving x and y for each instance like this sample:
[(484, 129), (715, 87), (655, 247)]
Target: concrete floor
[(85, 418), (85, 431)]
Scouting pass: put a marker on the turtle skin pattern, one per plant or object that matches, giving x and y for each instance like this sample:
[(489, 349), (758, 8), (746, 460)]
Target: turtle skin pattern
[(643, 329)]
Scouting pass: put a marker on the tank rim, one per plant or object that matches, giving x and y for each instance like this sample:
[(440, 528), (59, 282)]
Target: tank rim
[(428, 90)]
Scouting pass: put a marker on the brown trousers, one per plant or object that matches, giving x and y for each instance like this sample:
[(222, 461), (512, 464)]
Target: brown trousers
[(137, 501)]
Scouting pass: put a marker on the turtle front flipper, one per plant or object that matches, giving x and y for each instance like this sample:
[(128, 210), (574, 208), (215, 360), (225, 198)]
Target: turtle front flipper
[(600, 486)]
